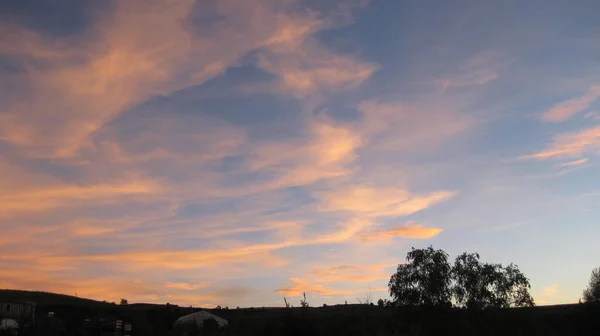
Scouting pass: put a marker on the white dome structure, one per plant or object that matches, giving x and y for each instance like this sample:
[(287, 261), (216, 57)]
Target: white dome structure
[(199, 317), (8, 324)]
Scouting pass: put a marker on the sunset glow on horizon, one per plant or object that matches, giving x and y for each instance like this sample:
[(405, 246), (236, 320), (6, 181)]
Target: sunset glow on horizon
[(233, 153)]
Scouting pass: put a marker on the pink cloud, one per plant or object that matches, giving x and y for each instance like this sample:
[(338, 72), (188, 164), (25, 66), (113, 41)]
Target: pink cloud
[(574, 163), (570, 145), (568, 108), (351, 273)]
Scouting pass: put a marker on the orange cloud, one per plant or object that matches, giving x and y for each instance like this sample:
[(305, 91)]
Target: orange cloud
[(43, 199), (146, 258), (186, 286), (408, 230), (570, 145), (112, 289), (86, 83), (324, 152), (380, 202), (304, 65), (351, 273), (302, 286), (568, 108)]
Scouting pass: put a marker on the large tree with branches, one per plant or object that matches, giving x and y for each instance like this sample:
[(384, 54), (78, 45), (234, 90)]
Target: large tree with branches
[(423, 280), (428, 279), (484, 285)]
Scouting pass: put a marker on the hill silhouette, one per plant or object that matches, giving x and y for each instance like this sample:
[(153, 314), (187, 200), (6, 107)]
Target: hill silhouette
[(352, 319), (48, 299)]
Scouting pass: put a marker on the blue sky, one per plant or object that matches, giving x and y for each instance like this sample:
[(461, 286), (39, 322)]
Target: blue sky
[(233, 153)]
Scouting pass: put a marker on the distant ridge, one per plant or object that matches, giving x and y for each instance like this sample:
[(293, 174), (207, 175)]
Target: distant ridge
[(48, 299)]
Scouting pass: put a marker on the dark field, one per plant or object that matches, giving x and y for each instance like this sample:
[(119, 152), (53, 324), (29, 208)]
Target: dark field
[(149, 319)]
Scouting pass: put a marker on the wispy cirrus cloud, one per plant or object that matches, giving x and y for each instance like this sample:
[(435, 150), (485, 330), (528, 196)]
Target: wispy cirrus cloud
[(478, 69), (570, 145), (392, 125), (178, 152), (568, 108), (91, 81), (46, 198), (574, 163), (186, 285), (409, 230), (351, 273), (300, 286), (379, 202)]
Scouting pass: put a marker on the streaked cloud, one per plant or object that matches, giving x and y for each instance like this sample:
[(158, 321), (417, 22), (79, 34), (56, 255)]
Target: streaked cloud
[(574, 163), (211, 153), (479, 69), (568, 108), (186, 286), (42, 199), (300, 286), (380, 202), (396, 125), (352, 273), (571, 145), (409, 230)]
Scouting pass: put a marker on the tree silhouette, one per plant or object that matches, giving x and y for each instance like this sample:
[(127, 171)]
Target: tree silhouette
[(304, 303), (124, 302), (592, 292), (428, 280), (479, 285), (423, 280)]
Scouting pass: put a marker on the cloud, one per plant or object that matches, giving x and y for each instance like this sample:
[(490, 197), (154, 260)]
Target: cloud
[(479, 69), (568, 108), (325, 151), (416, 127), (304, 65), (574, 163), (186, 285), (570, 145), (72, 88), (550, 291), (302, 286), (63, 195), (378, 202), (110, 152), (408, 230), (112, 289), (351, 273), (314, 69)]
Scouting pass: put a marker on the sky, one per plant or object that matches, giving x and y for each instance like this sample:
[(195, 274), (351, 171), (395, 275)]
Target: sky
[(235, 153)]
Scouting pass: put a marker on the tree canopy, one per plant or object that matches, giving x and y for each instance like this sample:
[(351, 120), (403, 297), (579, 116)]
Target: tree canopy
[(428, 279), (423, 280), (483, 285), (592, 292)]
